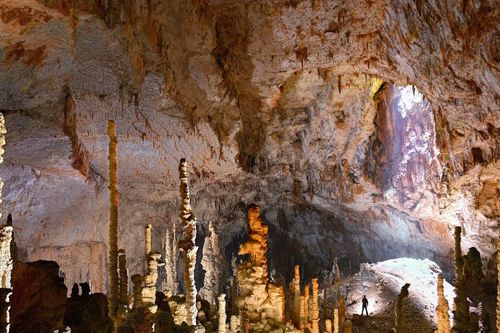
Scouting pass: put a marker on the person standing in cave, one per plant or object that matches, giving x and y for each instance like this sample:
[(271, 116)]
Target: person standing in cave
[(365, 305)]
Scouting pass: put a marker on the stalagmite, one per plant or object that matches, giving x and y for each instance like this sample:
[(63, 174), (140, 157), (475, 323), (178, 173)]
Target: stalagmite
[(403, 295), (147, 239), (296, 296), (138, 284), (123, 290), (462, 320), (113, 221), (315, 307), (6, 266), (302, 325), (150, 279), (305, 306), (347, 327), (187, 245), (341, 309), (212, 262), (442, 308), (170, 261), (335, 320), (498, 286), (222, 313), (258, 300), (328, 326)]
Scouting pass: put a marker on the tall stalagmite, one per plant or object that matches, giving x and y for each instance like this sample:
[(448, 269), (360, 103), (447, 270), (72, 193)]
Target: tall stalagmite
[(170, 261), (341, 301), (336, 320), (113, 221), (147, 239), (462, 320), (442, 308), (222, 313), (150, 279), (212, 262), (315, 307), (3, 131), (6, 266), (123, 285), (296, 296), (187, 244)]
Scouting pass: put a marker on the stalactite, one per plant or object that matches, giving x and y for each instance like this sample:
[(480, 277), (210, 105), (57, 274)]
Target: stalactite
[(222, 313), (150, 279), (123, 285), (339, 78), (442, 308), (187, 245), (296, 297), (337, 269), (147, 239), (315, 307), (336, 320), (113, 221)]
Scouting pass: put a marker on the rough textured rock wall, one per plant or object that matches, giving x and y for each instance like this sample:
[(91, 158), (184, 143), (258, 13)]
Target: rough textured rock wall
[(271, 102)]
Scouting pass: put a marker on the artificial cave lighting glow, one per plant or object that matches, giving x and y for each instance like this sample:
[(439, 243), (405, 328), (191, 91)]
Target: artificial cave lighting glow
[(409, 97)]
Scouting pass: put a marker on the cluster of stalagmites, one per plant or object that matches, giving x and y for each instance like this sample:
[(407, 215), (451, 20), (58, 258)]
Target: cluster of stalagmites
[(257, 304)]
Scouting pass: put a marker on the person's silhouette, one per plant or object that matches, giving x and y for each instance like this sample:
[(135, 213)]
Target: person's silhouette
[(365, 305)]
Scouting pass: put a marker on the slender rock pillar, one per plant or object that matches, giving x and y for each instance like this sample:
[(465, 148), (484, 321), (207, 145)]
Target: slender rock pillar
[(498, 287), (147, 239), (335, 320), (222, 313), (150, 279), (187, 245), (341, 301), (113, 221), (315, 307), (123, 286), (296, 297), (442, 308)]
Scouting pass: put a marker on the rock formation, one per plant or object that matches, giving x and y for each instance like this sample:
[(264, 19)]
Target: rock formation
[(150, 279), (498, 286), (260, 301), (123, 301), (147, 240), (296, 310), (341, 303), (39, 298), (171, 260), (336, 321), (187, 244), (212, 263), (113, 221), (442, 310), (463, 322), (138, 284), (400, 320), (314, 307), (222, 314)]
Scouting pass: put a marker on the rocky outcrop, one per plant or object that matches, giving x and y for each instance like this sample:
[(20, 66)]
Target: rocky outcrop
[(39, 300)]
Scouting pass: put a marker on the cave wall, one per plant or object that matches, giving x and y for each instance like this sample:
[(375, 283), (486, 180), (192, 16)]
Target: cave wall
[(276, 103)]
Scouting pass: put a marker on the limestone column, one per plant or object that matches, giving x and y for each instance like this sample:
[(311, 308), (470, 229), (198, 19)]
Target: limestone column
[(222, 313), (315, 307), (138, 284), (305, 305), (150, 279), (123, 285), (170, 263), (335, 320), (6, 266), (147, 239), (113, 220), (296, 297), (187, 245), (303, 320), (442, 308), (461, 319), (212, 262), (341, 309)]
